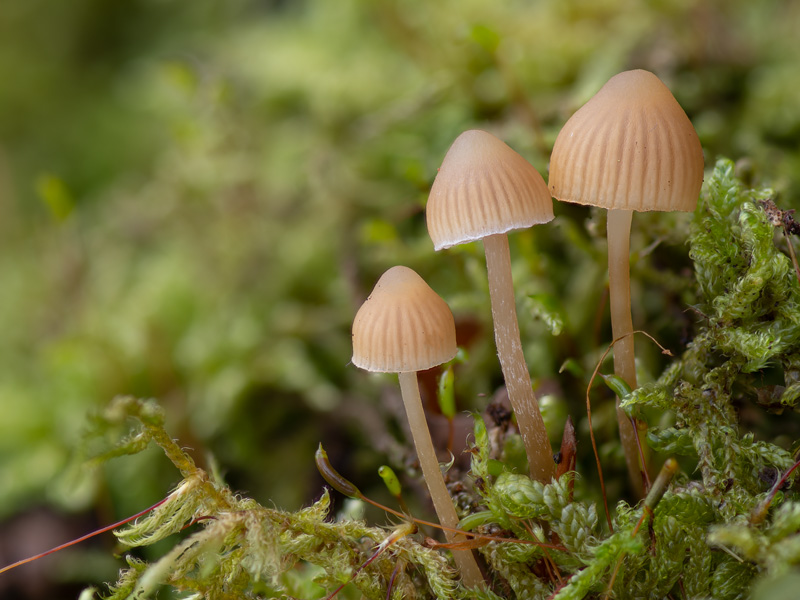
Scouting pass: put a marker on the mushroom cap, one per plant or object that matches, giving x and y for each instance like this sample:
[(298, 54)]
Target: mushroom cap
[(630, 147), (483, 187), (403, 326)]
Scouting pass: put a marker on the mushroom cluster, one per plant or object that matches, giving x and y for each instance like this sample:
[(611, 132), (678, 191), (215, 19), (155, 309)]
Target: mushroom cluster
[(631, 147)]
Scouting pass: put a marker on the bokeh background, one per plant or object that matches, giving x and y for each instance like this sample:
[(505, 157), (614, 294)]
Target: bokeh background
[(195, 198)]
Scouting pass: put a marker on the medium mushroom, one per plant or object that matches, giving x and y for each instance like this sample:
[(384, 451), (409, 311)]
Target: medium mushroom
[(405, 327), (631, 147), (483, 190)]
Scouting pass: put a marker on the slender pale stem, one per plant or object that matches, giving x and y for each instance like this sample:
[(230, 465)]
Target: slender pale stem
[(442, 502), (619, 277), (619, 283), (512, 361)]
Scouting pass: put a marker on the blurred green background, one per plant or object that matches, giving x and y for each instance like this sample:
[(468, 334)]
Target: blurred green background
[(195, 197)]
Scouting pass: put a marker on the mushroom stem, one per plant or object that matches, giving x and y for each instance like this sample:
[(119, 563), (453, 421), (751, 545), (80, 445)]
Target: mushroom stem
[(442, 502), (512, 361), (619, 283)]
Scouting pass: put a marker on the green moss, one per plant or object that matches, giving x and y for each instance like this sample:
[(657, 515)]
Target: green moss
[(702, 537)]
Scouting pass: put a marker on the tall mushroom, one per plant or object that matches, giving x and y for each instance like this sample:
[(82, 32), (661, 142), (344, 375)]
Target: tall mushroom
[(405, 327), (631, 147), (484, 190)]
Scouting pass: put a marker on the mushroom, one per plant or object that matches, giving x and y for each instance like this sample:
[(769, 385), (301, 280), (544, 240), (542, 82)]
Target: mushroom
[(631, 147), (483, 190), (404, 327)]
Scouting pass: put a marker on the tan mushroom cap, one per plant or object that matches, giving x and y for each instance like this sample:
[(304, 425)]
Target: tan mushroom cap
[(403, 326), (630, 147), (483, 188)]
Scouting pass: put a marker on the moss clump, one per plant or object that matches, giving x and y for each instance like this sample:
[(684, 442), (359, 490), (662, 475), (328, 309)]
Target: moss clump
[(709, 536)]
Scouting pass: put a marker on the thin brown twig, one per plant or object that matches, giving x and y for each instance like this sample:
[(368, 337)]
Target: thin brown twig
[(24, 561), (550, 564), (654, 496), (791, 252), (589, 415), (760, 511)]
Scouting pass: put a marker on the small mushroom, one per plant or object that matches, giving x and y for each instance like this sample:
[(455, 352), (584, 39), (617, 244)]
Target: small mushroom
[(483, 190), (631, 147), (405, 327)]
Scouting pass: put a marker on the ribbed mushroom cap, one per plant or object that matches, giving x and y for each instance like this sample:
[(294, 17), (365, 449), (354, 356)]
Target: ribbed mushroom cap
[(483, 187), (630, 147), (403, 326)]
